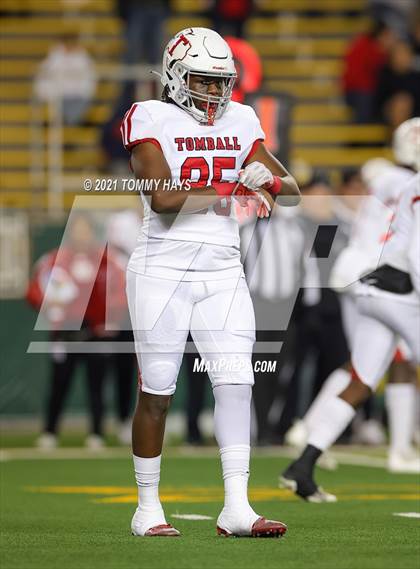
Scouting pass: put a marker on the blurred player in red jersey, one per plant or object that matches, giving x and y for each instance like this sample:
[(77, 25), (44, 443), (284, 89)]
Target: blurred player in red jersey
[(77, 287), (186, 274)]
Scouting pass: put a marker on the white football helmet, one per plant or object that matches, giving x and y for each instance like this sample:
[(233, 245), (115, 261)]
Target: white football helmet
[(373, 168), (406, 143), (198, 51)]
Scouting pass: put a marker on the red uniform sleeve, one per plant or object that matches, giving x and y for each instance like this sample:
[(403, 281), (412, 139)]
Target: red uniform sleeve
[(36, 287)]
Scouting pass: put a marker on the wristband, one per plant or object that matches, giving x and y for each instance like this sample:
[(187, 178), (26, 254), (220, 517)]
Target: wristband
[(275, 187)]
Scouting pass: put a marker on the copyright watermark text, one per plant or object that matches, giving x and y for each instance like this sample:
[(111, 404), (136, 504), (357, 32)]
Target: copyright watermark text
[(133, 185), (227, 365)]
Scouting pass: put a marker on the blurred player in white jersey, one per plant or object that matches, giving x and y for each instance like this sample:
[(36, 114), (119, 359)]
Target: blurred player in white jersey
[(370, 231), (186, 274), (388, 308)]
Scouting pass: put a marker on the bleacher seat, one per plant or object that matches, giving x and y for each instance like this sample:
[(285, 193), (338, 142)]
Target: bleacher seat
[(301, 42)]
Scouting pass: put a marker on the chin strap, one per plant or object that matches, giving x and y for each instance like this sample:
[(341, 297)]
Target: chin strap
[(158, 73)]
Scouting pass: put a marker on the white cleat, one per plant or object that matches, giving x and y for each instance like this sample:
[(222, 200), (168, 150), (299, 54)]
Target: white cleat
[(248, 524), (236, 523), (124, 432), (327, 462), (47, 441), (404, 463), (305, 487), (94, 443), (321, 497), (297, 435), (152, 524), (370, 433)]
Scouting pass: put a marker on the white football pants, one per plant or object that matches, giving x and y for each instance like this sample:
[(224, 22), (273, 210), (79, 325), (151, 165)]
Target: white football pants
[(382, 321), (219, 315)]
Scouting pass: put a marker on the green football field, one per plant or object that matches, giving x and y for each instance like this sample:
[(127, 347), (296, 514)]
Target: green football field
[(70, 511)]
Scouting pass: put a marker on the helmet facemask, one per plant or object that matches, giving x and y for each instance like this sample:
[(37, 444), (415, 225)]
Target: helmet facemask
[(204, 108)]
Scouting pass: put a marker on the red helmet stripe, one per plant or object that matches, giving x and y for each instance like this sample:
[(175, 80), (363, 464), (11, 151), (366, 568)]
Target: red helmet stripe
[(181, 39)]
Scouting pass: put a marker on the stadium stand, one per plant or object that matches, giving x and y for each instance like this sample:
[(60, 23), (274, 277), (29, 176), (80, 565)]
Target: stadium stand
[(301, 43)]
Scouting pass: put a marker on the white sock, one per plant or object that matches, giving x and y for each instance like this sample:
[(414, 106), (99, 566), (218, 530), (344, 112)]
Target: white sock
[(232, 414), (147, 472), (336, 415), (417, 417), (235, 468), (335, 383), (232, 427), (400, 401)]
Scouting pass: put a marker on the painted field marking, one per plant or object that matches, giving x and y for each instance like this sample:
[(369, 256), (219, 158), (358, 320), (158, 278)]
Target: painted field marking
[(195, 495), (407, 514), (192, 517)]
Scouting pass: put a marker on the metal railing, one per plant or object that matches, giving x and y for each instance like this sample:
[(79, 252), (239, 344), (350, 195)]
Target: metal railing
[(47, 172)]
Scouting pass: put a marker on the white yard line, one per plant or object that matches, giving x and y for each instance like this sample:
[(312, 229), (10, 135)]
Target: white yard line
[(192, 517)]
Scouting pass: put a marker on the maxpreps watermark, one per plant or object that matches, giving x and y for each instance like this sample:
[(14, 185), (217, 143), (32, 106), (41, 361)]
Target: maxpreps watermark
[(229, 365), (133, 185)]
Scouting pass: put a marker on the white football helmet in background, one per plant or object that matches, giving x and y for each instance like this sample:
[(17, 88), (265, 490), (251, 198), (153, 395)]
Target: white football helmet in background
[(198, 51), (373, 169), (406, 143)]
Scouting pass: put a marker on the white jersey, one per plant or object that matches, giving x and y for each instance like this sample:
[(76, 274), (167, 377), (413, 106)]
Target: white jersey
[(402, 249), (385, 318), (193, 246), (371, 228)]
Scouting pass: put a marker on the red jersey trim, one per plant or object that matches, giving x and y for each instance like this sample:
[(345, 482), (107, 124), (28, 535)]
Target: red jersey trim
[(122, 129), (355, 376), (254, 149), (399, 356), (139, 378), (154, 141), (128, 121)]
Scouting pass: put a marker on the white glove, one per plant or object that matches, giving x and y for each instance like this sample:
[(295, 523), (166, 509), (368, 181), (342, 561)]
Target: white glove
[(255, 175)]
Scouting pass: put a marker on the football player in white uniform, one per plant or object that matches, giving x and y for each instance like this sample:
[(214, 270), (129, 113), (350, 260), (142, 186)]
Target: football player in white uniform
[(186, 274), (385, 182), (388, 306)]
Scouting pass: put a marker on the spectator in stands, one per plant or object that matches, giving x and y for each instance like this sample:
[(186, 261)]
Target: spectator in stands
[(114, 160), (75, 287), (67, 73), (398, 92), (415, 39), (248, 67), (349, 195), (364, 60), (395, 13), (144, 29), (230, 16)]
